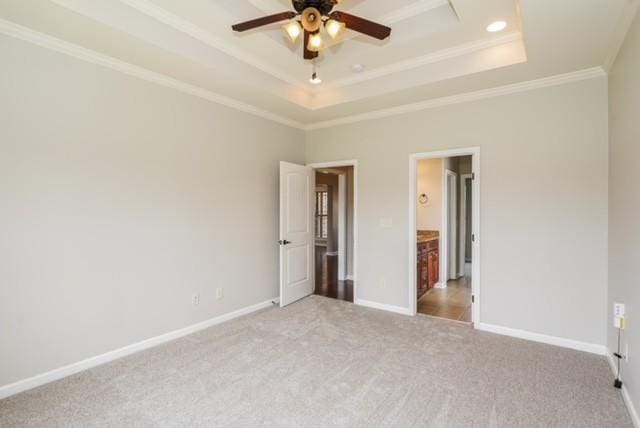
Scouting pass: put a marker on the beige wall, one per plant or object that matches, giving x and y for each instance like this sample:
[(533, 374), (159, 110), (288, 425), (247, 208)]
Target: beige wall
[(624, 202), (544, 202), (429, 215), (118, 200)]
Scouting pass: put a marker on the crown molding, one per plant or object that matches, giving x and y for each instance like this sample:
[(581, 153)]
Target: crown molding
[(620, 34), (177, 23), (421, 61), (149, 9), (46, 41), (560, 79)]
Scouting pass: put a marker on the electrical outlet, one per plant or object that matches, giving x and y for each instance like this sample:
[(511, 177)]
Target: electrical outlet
[(618, 310), (195, 299), (219, 293)]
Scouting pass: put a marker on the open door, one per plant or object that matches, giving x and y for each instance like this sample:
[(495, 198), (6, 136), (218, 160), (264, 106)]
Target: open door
[(297, 184)]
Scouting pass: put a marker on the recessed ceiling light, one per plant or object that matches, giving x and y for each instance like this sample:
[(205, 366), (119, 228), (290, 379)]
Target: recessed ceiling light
[(357, 68), (496, 26)]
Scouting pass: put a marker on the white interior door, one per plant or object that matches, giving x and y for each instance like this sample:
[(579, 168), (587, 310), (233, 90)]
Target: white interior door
[(297, 184)]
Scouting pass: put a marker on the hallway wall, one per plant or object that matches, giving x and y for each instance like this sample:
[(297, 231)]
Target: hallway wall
[(624, 203), (543, 159)]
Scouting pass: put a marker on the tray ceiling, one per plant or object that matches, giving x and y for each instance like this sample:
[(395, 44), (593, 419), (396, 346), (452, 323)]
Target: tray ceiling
[(437, 48)]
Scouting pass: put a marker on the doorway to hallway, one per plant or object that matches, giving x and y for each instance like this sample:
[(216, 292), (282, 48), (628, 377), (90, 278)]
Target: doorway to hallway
[(444, 249), (334, 232)]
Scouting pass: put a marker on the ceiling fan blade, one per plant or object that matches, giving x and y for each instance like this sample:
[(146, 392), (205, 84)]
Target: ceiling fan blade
[(362, 25), (307, 53), (265, 20)]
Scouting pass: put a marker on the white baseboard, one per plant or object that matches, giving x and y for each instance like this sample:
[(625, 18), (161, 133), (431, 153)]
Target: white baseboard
[(350, 278), (440, 285), (59, 373), (543, 338), (384, 307), (625, 393)]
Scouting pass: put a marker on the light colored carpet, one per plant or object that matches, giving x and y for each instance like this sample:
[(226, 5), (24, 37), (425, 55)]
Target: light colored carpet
[(322, 362)]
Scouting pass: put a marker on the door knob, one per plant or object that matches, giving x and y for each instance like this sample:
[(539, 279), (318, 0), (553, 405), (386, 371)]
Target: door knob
[(284, 242)]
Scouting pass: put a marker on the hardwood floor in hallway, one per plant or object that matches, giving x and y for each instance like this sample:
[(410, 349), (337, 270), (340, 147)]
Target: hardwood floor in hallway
[(327, 283), (453, 302)]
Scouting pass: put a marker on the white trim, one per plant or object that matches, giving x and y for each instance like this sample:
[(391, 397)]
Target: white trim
[(560, 79), (445, 239), (633, 414), (68, 370), (462, 241), (342, 226), (353, 163), (196, 32), (474, 152), (383, 307), (592, 348), (424, 60), (43, 40), (620, 34)]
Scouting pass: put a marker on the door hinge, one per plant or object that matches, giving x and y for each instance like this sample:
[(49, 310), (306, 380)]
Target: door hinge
[(473, 237), (473, 175), (473, 298)]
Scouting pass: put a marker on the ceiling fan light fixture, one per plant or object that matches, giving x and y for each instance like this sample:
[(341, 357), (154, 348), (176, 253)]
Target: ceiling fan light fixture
[(315, 43), (334, 28), (292, 30), (311, 19)]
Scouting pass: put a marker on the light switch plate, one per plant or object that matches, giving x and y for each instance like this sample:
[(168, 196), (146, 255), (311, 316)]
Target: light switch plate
[(618, 315), (618, 310)]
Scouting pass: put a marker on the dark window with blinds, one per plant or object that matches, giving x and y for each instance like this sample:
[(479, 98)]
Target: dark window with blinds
[(322, 214)]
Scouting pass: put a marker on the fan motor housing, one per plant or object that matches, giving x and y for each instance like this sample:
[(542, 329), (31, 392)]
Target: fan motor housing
[(324, 6)]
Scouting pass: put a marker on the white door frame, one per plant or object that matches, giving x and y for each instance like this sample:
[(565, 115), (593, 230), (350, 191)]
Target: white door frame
[(342, 251), (447, 240), (342, 227), (413, 192), (462, 239)]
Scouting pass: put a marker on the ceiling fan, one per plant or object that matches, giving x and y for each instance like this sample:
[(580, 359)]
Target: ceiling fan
[(315, 14)]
